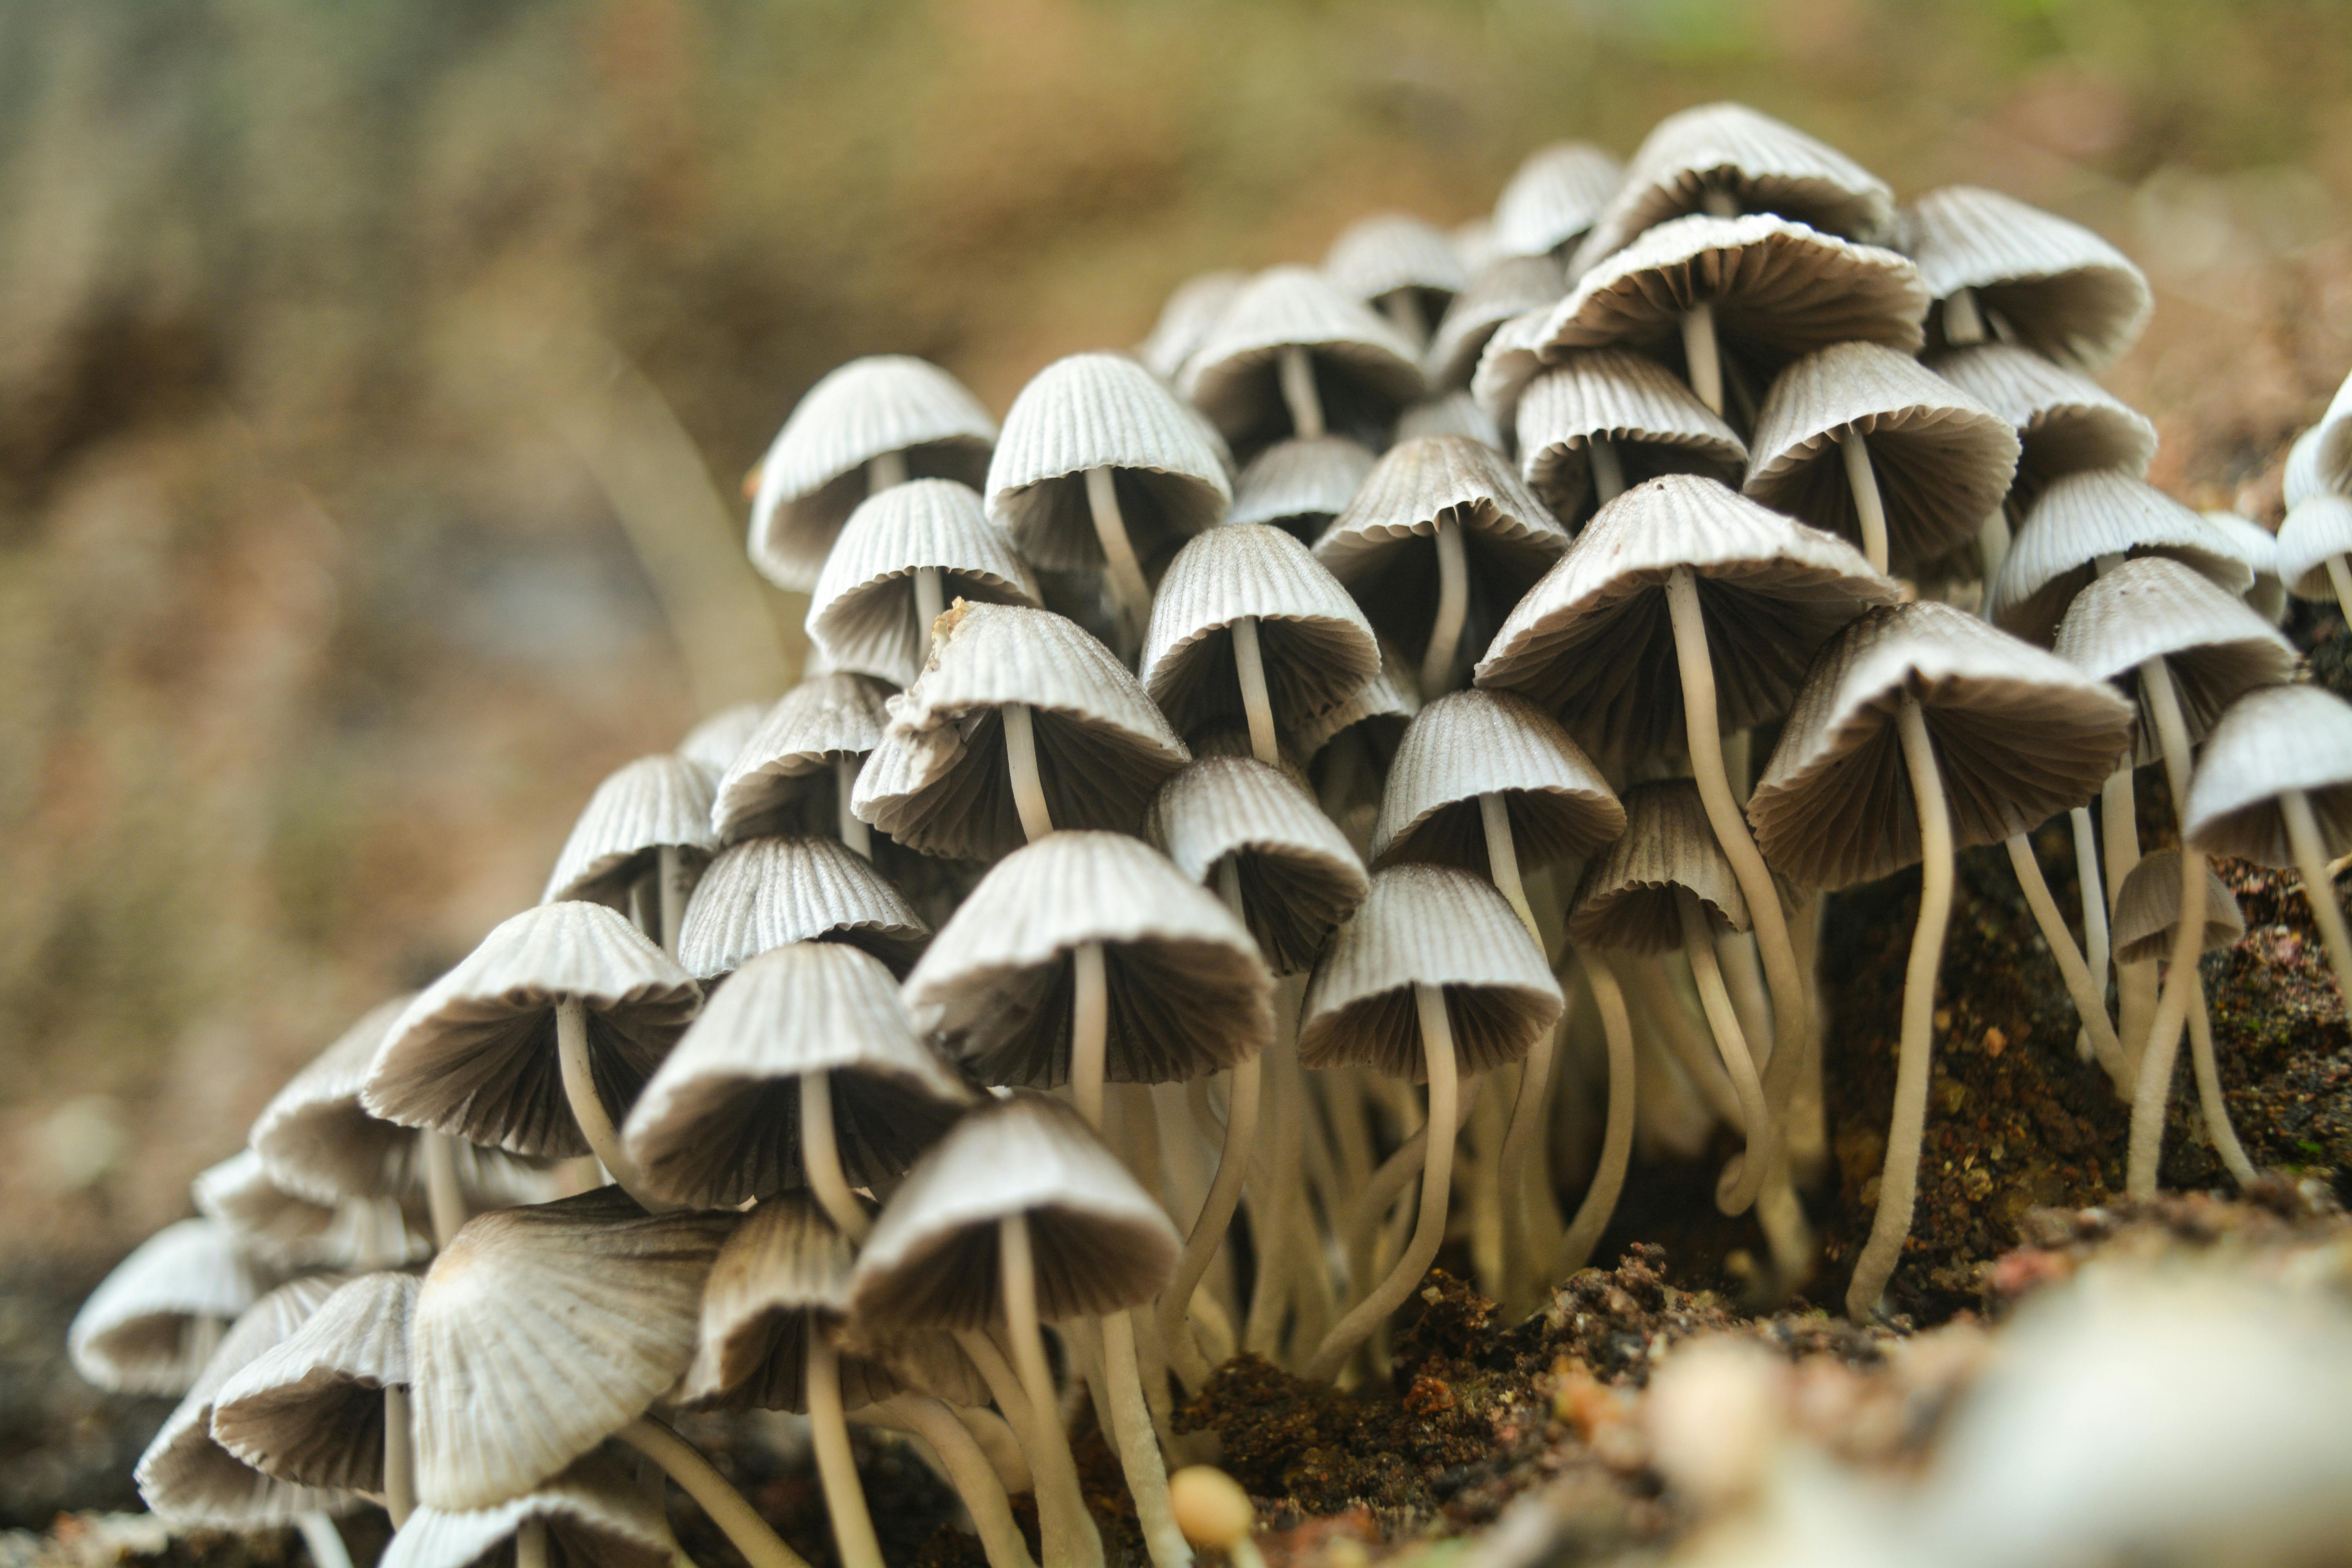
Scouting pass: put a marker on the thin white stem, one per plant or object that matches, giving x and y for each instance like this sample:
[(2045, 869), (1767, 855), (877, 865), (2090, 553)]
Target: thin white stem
[(1362, 1221), (399, 1456), (1483, 1186), (882, 473), (836, 1469), (1138, 1446), (530, 1543), (2209, 1101), (445, 1195), (2135, 982), (1453, 608), (2153, 1090), (855, 836), (670, 879), (1526, 1153), (1436, 1181), (737, 1520), (995, 1437), (1738, 763), (1608, 470), (1249, 665), (2093, 897), (969, 1471), (1731, 1045), (1869, 506), (1209, 1229), (1617, 1141), (1503, 859), (1671, 1024), (1090, 1030), (2339, 577), (1128, 586), (1962, 323), (930, 604), (1020, 763), (2090, 1004), (2171, 728), (1898, 1181), (1056, 1531), (1296, 373), (588, 1107), (1402, 308), (1992, 549), (1049, 1457), (821, 1158), (2318, 887), (1701, 354)]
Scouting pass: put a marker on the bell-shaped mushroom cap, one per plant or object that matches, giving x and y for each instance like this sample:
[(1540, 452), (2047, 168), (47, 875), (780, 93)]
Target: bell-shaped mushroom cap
[(2331, 459), (541, 1331), (1594, 642), (719, 1121), (782, 780), (1388, 702), (1554, 197), (1449, 413), (1627, 900), (475, 1054), (1470, 743), (2317, 529), (1188, 993), (814, 473), (2301, 478), (1778, 290), (712, 745), (1384, 549), (597, 1516), (1102, 411), (641, 808), (2273, 739), (1941, 459), (1427, 925), (1509, 361), (2147, 911), (2214, 646), (1100, 1242), (862, 612), (1316, 645), (1761, 163), (1504, 288), (2065, 422), (140, 1330), (938, 783), (288, 1232), (314, 1138), (2080, 518), (310, 1409), (764, 893), (1375, 256), (1299, 875), (1364, 369), (2019, 735), (187, 1477), (2061, 290), (1190, 308), (2255, 545), (1639, 406), (1299, 486)]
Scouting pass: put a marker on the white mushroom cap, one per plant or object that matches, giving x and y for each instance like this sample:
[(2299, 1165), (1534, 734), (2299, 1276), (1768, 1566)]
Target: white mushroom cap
[(1553, 198), (863, 610), (596, 1515), (2147, 911), (2061, 290), (139, 1331), (642, 807), (2272, 739), (311, 1410)]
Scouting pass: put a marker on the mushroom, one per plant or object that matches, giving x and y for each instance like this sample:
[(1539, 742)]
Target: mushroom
[(1214, 1513), (1248, 623), (1452, 412), (817, 733), (1552, 199), (2311, 549), (712, 745), (2080, 521), (1101, 470), (593, 1513), (865, 426), (1301, 484), (1459, 502), (764, 893), (538, 1037), (153, 1323), (2258, 547), (2001, 270), (1981, 736), (1435, 976), (803, 1071), (1348, 747), (1291, 355), (1505, 287), (650, 818), (1508, 362), (1918, 463), (1191, 309), (286, 1231), (1604, 419), (2148, 923), (2331, 441), (1020, 724), (904, 554), (328, 1406), (1401, 266)]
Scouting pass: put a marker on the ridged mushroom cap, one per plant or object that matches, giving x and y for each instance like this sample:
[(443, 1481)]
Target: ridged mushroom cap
[(2019, 734), (1364, 368), (1299, 486), (2273, 739), (641, 808), (596, 1515), (310, 1409), (1554, 197), (475, 1054), (2302, 478), (1507, 363), (1593, 643), (765, 893), (2065, 422), (1657, 425), (719, 1121), (1449, 413), (313, 1136), (711, 744), (153, 1322), (2060, 289), (782, 780), (286, 1232), (1386, 703), (1628, 900), (2147, 911), (1503, 289), (863, 612), (1377, 256), (1188, 992), (1470, 743), (1300, 877), (1099, 1241), (2316, 530), (1190, 308), (2331, 459), (814, 474), (2082, 516)]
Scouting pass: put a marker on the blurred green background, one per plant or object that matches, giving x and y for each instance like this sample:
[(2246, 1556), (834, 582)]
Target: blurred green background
[(375, 377)]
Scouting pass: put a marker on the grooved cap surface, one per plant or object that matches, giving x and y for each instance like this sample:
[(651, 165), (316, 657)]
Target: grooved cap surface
[(1503, 289), (1364, 367), (1299, 486), (1469, 744), (2317, 527), (2270, 741), (2147, 911), (863, 612), (766, 893), (311, 1410), (1388, 251), (1554, 196), (787, 760), (2065, 422), (2082, 516), (1299, 875), (1655, 422), (137, 1332), (2059, 289), (1190, 308), (597, 1516), (1627, 899), (640, 808)]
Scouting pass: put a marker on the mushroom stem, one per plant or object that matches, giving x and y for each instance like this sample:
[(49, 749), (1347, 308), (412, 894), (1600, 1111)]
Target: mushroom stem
[(2318, 887), (2154, 1089), (2090, 1006), (836, 1469), (1963, 323), (445, 1198), (1767, 918), (1050, 1458), (530, 1543), (2339, 577), (1608, 470), (1275, 1200), (1056, 1531), (821, 1158), (1701, 354), (1437, 1183), (930, 604), (856, 836), (1898, 1181), (1402, 309), (1021, 762), (1295, 371), (1209, 1230), (1869, 506), (1731, 1044), (670, 882), (1453, 608), (1992, 549), (1090, 1030), (1125, 572), (1249, 664), (1670, 1023), (325, 1541), (1617, 1140), (1503, 859), (2215, 1109), (737, 1520), (1360, 1225), (588, 1107), (969, 1471), (884, 470), (399, 1456), (2093, 897), (1139, 1445)]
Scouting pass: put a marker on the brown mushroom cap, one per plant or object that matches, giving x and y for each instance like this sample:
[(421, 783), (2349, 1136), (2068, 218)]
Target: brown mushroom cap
[(781, 779), (1300, 877), (2061, 290), (1627, 899), (2082, 517), (642, 807), (2065, 422), (862, 612), (1652, 420), (2270, 741), (310, 1409), (1470, 743), (1364, 369), (2147, 911), (764, 893)]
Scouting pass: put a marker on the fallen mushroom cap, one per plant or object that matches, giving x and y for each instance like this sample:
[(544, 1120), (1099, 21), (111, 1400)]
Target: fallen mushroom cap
[(137, 1333), (1637, 405), (1554, 196), (1365, 368), (1188, 994), (287, 1232), (813, 475), (1377, 256), (2270, 741), (2065, 422), (2061, 290), (1100, 1242), (1300, 877), (719, 1121), (640, 808), (1627, 899), (310, 1409), (1427, 925), (541, 1332), (789, 758), (1502, 289), (2317, 529), (863, 610), (596, 1516), (765, 893), (2019, 735), (2147, 911), (2082, 517), (1470, 743), (938, 783), (1299, 486)]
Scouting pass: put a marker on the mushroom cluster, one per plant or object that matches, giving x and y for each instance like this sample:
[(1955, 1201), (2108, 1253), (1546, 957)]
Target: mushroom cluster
[(1239, 814)]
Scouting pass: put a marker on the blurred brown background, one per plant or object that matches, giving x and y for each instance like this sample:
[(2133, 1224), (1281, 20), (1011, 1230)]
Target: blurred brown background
[(374, 380)]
